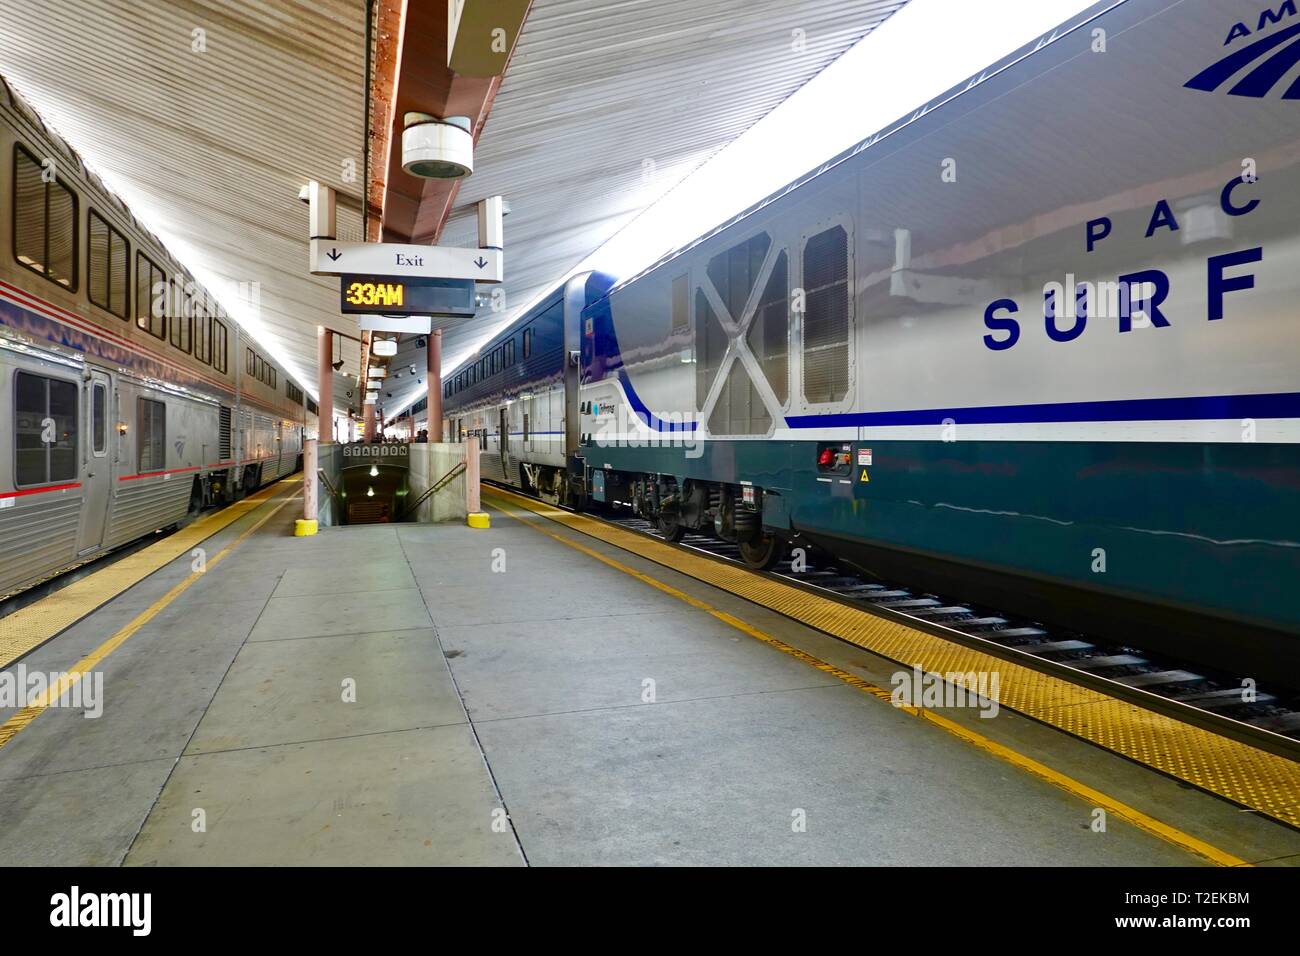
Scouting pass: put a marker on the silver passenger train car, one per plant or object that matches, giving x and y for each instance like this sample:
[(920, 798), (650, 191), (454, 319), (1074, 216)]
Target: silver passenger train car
[(128, 399)]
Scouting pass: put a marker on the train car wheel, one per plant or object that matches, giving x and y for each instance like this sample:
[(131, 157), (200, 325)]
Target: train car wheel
[(762, 553), (670, 526)]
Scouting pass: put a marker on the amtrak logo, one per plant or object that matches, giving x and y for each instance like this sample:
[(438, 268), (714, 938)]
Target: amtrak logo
[(1266, 62)]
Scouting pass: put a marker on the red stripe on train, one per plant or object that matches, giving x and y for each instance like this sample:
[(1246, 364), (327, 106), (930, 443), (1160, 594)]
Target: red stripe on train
[(81, 324), (39, 491), (155, 474)]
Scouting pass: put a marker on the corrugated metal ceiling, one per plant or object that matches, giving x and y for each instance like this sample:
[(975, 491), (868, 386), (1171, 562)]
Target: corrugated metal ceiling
[(209, 142), (607, 105), (610, 103)]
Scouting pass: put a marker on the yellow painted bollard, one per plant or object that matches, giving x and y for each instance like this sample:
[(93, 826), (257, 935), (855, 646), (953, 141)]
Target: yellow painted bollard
[(479, 519), (303, 528)]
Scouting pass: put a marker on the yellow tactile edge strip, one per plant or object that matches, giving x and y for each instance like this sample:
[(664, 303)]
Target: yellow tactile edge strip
[(29, 628), (1241, 773)]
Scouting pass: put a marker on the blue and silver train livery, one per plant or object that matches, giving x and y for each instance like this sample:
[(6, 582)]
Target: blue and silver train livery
[(1036, 345)]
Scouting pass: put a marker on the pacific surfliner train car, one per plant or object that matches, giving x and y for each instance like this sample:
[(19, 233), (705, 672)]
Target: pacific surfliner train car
[(128, 399), (519, 396), (1037, 345)]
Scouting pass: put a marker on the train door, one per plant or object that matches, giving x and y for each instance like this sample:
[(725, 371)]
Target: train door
[(97, 464), (279, 449), (505, 440)]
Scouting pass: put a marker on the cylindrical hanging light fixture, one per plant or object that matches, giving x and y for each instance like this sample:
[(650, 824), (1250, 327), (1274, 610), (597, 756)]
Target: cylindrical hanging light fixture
[(434, 148)]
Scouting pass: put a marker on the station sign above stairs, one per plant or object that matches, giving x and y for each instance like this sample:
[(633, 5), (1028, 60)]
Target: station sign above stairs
[(401, 260)]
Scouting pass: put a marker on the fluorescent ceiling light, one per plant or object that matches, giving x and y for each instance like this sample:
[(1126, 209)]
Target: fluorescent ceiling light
[(384, 347)]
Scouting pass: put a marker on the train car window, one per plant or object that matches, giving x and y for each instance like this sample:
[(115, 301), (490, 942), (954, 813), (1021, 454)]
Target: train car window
[(827, 319), (739, 409), (250, 365), (107, 268), (219, 346), (681, 303), (710, 346), (769, 334), (202, 330), (182, 324), (99, 418), (528, 342), (510, 353), (274, 378), (45, 221), (735, 271), (45, 429), (152, 436), (150, 296)]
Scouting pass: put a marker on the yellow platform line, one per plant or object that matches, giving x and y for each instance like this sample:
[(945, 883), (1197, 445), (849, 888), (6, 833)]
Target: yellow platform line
[(29, 628), (1093, 797), (1246, 775), (67, 679)]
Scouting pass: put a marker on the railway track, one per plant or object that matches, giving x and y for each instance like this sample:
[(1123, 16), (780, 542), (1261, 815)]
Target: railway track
[(1128, 671)]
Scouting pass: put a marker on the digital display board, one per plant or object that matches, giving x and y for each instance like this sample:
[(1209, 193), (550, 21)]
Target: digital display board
[(395, 295)]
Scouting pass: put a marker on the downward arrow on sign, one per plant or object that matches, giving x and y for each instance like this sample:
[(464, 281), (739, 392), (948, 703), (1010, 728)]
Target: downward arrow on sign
[(334, 254), (480, 262)]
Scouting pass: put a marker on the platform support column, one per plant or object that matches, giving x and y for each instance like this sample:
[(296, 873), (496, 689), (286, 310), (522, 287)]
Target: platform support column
[(471, 476), (368, 413), (310, 492), (433, 376), (325, 384)]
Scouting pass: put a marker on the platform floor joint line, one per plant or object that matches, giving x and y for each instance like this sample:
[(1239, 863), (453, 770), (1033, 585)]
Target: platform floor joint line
[(28, 628), (1246, 775), (24, 717)]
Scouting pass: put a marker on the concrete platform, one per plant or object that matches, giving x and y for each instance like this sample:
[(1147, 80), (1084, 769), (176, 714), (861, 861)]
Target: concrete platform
[(419, 694)]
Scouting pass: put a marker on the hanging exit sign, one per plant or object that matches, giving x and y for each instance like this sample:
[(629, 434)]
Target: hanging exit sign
[(391, 295)]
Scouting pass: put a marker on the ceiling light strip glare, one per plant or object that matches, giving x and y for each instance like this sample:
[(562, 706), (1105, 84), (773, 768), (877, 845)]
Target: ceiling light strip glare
[(905, 62)]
